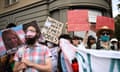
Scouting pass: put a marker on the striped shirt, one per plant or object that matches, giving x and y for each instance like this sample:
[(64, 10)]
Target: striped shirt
[(38, 54)]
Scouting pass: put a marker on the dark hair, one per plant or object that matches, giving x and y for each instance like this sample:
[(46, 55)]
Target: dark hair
[(10, 25), (90, 38), (77, 38), (51, 42), (65, 36), (35, 25)]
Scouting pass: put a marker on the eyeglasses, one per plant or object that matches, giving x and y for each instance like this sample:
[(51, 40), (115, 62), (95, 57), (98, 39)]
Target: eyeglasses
[(30, 31)]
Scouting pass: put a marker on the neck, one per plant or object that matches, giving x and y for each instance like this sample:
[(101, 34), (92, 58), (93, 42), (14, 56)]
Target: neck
[(105, 44)]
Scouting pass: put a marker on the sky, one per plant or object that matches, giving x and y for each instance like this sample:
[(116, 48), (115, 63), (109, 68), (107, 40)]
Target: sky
[(115, 8)]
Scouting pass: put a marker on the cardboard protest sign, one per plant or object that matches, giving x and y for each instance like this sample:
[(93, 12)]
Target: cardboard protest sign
[(105, 21), (77, 20), (10, 39), (52, 30)]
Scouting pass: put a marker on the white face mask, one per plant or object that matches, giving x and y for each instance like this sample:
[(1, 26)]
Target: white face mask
[(30, 33), (49, 44)]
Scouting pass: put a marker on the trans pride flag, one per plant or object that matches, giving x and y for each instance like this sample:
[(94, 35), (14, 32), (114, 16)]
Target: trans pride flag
[(19, 30)]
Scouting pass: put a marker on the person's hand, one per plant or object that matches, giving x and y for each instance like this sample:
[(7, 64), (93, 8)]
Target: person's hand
[(22, 66), (3, 59), (27, 62)]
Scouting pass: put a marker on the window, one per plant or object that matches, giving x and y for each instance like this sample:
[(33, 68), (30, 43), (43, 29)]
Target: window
[(10, 2), (92, 14)]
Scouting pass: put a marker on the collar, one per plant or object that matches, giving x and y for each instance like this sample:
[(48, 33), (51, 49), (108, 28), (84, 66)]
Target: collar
[(35, 45)]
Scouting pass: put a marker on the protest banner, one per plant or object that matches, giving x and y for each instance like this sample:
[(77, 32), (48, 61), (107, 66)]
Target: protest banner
[(52, 30), (77, 20), (98, 60), (10, 39), (105, 21), (90, 60)]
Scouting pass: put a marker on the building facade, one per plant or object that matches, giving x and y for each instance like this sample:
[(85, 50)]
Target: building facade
[(21, 11)]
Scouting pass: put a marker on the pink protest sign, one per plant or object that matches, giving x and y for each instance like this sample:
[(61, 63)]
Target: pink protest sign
[(78, 20)]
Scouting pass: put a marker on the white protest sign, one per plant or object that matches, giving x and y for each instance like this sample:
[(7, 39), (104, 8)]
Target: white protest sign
[(52, 30)]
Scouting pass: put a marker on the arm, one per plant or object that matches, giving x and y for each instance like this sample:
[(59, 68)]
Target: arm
[(17, 58), (44, 68), (85, 38)]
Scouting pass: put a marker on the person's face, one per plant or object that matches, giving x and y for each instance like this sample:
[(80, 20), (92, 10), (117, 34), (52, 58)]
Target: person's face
[(107, 33), (105, 36), (12, 41), (92, 41), (30, 32), (75, 42), (31, 35)]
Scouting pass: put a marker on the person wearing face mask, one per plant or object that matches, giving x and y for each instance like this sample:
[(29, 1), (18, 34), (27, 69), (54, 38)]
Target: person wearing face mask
[(32, 57), (104, 35), (114, 44)]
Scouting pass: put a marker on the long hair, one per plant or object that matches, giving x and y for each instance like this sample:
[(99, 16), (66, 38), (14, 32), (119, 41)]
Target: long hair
[(90, 38), (5, 34)]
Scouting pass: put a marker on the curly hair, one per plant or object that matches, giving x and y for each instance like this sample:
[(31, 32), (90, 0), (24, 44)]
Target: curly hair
[(35, 25)]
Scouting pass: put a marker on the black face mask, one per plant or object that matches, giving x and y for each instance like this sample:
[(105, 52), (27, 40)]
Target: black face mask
[(30, 41)]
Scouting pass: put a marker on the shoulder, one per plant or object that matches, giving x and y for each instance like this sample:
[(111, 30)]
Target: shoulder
[(42, 47)]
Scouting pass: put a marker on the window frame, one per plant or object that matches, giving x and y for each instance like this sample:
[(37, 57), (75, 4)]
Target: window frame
[(10, 2)]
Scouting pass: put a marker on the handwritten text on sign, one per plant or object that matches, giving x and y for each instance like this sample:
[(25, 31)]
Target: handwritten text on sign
[(52, 30)]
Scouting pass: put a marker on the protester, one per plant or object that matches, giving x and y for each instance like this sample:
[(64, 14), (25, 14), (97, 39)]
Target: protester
[(54, 51), (32, 57), (91, 43), (79, 42), (61, 60), (68, 51), (11, 42), (76, 40), (104, 35), (114, 44), (10, 25)]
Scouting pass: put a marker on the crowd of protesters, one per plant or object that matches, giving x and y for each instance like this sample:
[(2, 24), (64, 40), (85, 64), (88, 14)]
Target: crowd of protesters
[(48, 57)]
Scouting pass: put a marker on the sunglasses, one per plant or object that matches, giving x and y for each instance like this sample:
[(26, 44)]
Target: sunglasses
[(105, 33)]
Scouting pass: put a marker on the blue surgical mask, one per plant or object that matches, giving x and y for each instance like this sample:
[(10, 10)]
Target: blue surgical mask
[(104, 38)]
